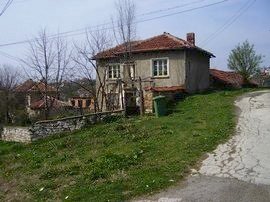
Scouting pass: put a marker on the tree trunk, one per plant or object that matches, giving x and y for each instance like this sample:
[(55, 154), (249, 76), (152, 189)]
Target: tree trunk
[(8, 119)]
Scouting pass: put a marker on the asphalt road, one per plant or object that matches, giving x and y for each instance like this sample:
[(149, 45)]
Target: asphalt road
[(238, 170)]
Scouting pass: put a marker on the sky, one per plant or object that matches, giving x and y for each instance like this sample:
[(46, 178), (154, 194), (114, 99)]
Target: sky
[(219, 25)]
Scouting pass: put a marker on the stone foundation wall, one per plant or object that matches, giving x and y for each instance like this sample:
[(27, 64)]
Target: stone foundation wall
[(149, 95), (16, 134), (44, 129), (148, 101)]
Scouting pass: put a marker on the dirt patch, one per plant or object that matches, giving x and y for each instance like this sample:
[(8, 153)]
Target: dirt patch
[(9, 191)]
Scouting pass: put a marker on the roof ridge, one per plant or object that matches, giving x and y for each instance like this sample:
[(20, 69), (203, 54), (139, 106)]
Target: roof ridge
[(178, 39), (165, 41), (151, 38), (120, 46), (223, 70)]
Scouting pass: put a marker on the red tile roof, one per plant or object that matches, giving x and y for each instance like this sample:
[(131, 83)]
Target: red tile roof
[(32, 86), (166, 89), (229, 78), (54, 103), (164, 41)]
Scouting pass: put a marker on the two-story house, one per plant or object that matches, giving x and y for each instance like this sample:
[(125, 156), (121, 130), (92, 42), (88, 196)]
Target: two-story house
[(166, 65)]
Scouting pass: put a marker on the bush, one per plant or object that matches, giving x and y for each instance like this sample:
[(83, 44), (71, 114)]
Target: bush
[(21, 118)]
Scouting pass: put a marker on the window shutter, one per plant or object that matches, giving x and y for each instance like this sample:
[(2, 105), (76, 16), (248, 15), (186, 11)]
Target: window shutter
[(122, 71)]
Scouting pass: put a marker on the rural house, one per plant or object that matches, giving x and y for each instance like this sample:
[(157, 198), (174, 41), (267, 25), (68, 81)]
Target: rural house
[(263, 78), (82, 100), (162, 65), (228, 79), (33, 96)]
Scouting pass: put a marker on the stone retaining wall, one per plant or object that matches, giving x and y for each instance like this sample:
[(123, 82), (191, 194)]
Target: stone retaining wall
[(16, 134), (148, 101), (44, 129)]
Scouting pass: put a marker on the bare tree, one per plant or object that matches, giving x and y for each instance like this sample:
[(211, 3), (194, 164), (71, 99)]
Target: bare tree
[(63, 61), (48, 59), (8, 81), (124, 25), (125, 29), (5, 7), (124, 32), (96, 42)]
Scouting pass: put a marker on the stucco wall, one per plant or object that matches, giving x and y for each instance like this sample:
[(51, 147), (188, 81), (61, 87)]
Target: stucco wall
[(187, 68), (143, 62), (197, 69), (176, 67)]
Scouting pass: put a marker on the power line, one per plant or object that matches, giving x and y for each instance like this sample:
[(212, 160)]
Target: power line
[(229, 22), (69, 33), (10, 56), (184, 11), (141, 21), (6, 6), (15, 2), (172, 8), (107, 23), (82, 30)]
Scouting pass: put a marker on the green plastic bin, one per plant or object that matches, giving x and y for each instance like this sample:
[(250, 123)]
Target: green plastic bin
[(160, 105)]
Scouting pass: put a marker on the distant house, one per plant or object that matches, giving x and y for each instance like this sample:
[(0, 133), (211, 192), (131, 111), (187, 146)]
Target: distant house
[(166, 64), (34, 97), (57, 106), (82, 100), (266, 71), (266, 80), (228, 79), (34, 90), (264, 77)]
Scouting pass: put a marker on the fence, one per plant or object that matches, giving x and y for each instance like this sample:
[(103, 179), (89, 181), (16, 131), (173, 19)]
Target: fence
[(44, 129)]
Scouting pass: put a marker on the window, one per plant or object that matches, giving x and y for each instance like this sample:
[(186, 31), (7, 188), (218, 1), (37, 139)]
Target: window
[(88, 103), (132, 71), (114, 72), (73, 103), (160, 67), (80, 103), (131, 67)]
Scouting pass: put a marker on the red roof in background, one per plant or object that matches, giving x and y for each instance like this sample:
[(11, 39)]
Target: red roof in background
[(229, 78), (53, 102), (25, 86), (32, 86), (41, 87), (166, 89), (164, 41)]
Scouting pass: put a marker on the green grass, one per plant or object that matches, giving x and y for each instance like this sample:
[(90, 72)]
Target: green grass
[(120, 160)]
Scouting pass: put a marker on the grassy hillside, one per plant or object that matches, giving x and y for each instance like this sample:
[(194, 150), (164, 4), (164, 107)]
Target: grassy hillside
[(117, 161)]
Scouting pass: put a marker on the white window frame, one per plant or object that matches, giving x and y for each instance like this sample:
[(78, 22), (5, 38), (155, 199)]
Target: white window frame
[(108, 70), (132, 69), (152, 67)]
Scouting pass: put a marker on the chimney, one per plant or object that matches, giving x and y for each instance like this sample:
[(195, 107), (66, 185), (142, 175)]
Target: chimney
[(191, 38)]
